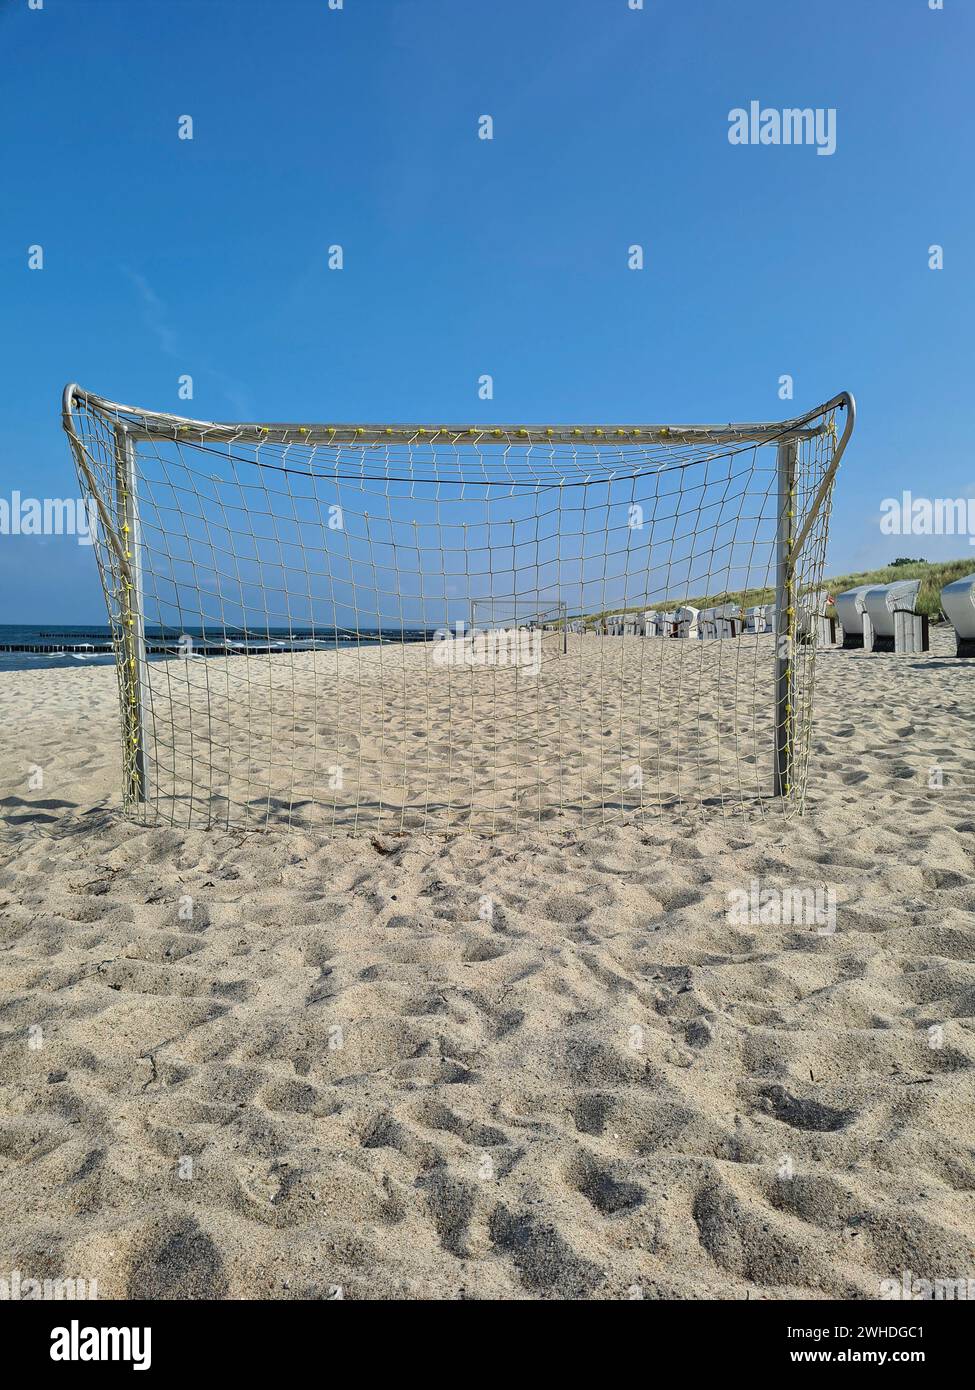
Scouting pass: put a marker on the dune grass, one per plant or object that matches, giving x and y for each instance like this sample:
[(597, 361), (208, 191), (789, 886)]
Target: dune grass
[(933, 576)]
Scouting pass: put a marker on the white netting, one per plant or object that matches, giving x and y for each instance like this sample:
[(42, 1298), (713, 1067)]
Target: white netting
[(439, 628)]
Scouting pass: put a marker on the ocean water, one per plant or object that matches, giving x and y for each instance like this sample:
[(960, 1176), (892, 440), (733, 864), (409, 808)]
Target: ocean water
[(91, 634), (51, 634)]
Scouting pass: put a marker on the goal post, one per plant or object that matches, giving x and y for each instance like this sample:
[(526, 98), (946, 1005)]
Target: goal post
[(131, 617), (785, 609), (348, 626)]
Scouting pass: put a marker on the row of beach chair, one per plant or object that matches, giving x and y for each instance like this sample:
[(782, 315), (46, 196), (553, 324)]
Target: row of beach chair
[(881, 617), (723, 620), (872, 617)]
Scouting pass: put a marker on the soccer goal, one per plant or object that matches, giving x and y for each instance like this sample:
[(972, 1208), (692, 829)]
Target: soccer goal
[(443, 627)]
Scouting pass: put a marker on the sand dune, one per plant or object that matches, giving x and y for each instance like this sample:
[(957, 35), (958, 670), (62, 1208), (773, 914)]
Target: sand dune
[(548, 1064)]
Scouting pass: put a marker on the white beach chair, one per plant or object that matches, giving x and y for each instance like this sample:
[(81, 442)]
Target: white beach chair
[(729, 620), (760, 619), (808, 607), (958, 606), (889, 621), (723, 620), (687, 622), (813, 624), (850, 607)]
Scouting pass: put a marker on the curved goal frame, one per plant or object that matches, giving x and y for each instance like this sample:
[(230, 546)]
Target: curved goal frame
[(458, 626)]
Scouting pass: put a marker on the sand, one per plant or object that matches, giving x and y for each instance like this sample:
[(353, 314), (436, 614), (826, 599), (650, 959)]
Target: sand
[(397, 737), (547, 1064)]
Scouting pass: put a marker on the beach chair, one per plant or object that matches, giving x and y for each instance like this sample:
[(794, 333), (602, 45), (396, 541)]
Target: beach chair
[(889, 621), (813, 624), (724, 620), (850, 607), (686, 620), (958, 606), (760, 619)]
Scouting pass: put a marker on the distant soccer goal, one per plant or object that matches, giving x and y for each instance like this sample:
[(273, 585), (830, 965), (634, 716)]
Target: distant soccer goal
[(404, 627)]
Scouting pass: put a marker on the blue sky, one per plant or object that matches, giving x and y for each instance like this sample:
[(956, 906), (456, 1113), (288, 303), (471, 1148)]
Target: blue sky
[(463, 256)]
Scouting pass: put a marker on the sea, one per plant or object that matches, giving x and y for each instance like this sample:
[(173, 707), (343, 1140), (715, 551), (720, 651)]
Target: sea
[(64, 645)]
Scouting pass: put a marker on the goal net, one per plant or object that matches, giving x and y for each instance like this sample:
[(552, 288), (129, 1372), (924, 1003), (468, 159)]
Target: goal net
[(444, 628)]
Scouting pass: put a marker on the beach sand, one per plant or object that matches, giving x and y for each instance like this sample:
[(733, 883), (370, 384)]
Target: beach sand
[(545, 1064)]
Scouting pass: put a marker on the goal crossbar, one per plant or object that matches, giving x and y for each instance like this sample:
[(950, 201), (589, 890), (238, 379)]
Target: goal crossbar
[(144, 425)]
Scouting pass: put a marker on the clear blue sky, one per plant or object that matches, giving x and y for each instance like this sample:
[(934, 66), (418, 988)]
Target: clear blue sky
[(465, 256)]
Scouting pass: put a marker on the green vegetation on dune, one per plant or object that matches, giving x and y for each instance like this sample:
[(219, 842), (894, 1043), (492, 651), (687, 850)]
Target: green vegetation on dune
[(933, 577)]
